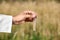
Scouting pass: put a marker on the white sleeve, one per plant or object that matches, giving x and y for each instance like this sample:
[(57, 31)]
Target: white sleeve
[(5, 23)]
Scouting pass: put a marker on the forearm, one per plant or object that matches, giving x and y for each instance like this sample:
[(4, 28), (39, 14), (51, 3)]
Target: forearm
[(14, 20)]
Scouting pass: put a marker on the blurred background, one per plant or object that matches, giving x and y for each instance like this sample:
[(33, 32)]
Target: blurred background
[(47, 23)]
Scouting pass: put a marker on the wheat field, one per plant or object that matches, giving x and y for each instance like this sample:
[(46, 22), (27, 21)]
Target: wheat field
[(47, 24)]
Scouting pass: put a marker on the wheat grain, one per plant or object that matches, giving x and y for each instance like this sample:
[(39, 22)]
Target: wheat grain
[(34, 25)]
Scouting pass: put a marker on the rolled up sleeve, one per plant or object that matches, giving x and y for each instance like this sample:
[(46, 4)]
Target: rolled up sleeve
[(5, 23)]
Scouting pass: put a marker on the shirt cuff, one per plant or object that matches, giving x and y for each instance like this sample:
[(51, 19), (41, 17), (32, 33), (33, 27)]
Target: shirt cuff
[(5, 23)]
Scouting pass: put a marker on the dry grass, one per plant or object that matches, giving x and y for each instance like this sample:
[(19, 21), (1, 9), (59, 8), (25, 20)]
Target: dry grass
[(48, 21)]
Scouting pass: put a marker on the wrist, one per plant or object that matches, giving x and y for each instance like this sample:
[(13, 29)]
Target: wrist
[(13, 20)]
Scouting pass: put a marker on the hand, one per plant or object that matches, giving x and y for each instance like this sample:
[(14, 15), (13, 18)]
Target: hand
[(26, 16)]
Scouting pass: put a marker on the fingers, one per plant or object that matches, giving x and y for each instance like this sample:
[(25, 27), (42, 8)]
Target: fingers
[(31, 13), (30, 16)]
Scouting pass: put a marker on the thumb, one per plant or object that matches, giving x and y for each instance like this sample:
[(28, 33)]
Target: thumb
[(28, 16)]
